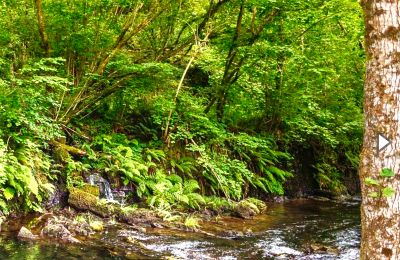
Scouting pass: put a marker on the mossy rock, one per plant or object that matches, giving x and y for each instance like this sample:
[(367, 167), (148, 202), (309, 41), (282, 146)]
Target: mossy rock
[(61, 155), (248, 208), (137, 216), (92, 189), (83, 200)]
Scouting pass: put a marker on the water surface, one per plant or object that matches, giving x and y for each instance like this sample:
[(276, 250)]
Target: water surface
[(300, 229)]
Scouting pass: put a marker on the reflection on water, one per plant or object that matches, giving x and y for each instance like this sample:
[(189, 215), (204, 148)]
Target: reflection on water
[(301, 229)]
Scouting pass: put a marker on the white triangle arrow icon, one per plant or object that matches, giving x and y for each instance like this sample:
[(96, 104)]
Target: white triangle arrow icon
[(382, 142)]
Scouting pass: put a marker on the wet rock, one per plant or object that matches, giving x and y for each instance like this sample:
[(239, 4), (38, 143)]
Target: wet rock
[(71, 239), (244, 211), (40, 222), (342, 197), (134, 241), (55, 230), (156, 225), (25, 233), (279, 199), (58, 231), (96, 225), (58, 198), (138, 216), (232, 233), (318, 198), (139, 228), (248, 208), (86, 201), (317, 248)]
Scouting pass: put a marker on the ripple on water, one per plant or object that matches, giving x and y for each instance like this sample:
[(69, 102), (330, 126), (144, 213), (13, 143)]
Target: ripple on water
[(348, 242), (183, 249), (275, 246)]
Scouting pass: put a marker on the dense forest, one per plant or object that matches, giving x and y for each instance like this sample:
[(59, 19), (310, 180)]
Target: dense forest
[(187, 104)]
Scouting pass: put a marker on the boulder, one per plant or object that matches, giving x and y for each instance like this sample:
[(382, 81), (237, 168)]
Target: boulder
[(25, 233), (83, 200), (139, 216), (92, 189), (58, 231)]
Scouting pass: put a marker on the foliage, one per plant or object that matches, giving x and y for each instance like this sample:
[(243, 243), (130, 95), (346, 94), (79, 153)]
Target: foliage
[(267, 84), (379, 186)]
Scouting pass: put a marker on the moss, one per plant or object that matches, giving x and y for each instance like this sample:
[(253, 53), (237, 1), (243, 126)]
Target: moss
[(61, 155), (85, 201), (92, 189), (249, 207), (135, 216), (96, 225)]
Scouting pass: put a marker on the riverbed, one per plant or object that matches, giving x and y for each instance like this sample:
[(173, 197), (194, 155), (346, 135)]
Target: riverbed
[(297, 229)]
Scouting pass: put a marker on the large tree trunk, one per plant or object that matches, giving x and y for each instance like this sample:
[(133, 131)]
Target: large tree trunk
[(380, 213)]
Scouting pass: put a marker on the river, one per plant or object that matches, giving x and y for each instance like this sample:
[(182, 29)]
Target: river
[(298, 229)]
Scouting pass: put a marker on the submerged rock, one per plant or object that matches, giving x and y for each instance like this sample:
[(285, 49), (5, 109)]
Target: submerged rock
[(25, 233)]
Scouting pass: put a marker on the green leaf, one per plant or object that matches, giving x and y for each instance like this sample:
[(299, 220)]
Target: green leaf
[(388, 192), (387, 173), (373, 194), (370, 181), (9, 193)]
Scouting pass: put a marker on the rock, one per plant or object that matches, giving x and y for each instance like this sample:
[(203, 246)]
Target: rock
[(134, 241), (138, 228), (58, 198), (279, 199), (25, 233), (86, 201), (232, 233), (91, 189), (40, 222), (317, 248), (71, 239), (342, 197), (156, 225), (96, 225), (318, 198), (55, 230), (249, 207), (244, 211), (60, 232), (137, 216)]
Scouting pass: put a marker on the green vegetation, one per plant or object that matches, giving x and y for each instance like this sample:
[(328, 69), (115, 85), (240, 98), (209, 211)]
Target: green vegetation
[(189, 105)]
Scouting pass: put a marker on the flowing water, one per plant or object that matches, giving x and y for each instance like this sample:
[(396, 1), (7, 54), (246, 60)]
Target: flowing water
[(300, 229), (103, 184)]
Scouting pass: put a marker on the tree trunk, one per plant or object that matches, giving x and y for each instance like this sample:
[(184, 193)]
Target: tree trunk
[(380, 212), (42, 27)]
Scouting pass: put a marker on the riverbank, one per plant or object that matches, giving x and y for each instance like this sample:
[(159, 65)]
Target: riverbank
[(296, 229)]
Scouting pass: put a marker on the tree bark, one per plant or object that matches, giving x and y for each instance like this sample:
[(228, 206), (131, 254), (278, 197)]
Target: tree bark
[(380, 215), (42, 27)]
